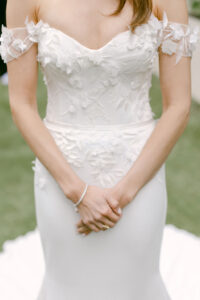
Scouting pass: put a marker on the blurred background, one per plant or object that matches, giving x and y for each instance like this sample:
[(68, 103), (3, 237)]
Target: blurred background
[(17, 212)]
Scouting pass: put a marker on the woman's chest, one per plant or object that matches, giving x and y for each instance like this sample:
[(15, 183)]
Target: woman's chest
[(126, 51)]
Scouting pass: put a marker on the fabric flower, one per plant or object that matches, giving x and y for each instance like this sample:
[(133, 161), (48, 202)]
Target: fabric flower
[(85, 102), (41, 182), (95, 57), (19, 45), (5, 41), (35, 29), (40, 179), (6, 35), (75, 81), (178, 38), (169, 47)]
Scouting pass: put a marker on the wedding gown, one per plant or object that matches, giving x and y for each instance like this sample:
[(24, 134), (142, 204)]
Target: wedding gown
[(99, 115)]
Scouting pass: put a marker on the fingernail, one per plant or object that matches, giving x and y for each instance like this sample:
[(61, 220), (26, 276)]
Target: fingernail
[(119, 210)]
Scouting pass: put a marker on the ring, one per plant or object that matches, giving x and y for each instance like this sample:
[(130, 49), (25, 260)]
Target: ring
[(105, 226)]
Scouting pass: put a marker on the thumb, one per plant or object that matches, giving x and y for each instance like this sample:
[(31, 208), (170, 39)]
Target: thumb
[(114, 204)]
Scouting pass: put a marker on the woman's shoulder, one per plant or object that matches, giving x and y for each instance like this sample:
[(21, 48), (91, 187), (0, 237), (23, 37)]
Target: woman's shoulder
[(17, 11), (170, 7)]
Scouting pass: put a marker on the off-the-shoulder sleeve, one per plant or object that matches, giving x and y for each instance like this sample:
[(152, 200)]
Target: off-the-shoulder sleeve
[(14, 42), (178, 38)]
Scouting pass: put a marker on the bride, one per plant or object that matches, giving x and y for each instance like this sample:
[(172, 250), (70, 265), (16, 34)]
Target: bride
[(99, 172)]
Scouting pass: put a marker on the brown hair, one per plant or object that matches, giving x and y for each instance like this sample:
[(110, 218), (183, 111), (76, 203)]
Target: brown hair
[(141, 11)]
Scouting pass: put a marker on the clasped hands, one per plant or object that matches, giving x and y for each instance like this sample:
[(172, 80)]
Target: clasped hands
[(102, 206)]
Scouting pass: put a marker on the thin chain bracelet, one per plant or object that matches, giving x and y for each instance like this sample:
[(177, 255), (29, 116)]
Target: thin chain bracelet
[(81, 198)]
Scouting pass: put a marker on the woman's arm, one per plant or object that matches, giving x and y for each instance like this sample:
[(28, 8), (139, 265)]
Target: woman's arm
[(175, 81), (23, 76)]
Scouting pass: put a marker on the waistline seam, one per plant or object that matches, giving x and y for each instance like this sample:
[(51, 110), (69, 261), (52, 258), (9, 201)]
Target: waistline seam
[(63, 126)]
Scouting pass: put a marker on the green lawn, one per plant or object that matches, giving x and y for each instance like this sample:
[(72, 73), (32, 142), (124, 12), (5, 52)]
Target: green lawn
[(17, 215), (183, 170), (194, 7)]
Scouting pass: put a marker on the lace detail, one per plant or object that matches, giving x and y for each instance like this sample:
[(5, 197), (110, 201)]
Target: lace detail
[(108, 87), (14, 42), (173, 38), (38, 168), (178, 38), (105, 152)]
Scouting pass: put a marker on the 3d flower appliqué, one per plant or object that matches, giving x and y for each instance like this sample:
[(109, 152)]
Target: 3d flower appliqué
[(40, 179), (178, 38), (13, 43), (169, 47)]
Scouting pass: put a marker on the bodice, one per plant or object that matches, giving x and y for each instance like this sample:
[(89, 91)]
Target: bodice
[(98, 107), (106, 86)]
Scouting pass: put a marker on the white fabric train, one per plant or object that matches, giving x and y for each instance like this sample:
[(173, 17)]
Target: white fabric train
[(22, 265)]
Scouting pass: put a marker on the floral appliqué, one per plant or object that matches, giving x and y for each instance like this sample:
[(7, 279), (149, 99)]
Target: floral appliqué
[(178, 38), (14, 42), (106, 154), (40, 178)]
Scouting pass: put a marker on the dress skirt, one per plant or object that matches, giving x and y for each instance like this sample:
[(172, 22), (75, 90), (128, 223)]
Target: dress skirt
[(121, 263)]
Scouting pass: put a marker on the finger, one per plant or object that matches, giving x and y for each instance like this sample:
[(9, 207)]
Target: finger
[(83, 230), (110, 215), (86, 233), (100, 224), (107, 221), (79, 224), (92, 226), (82, 227), (114, 204)]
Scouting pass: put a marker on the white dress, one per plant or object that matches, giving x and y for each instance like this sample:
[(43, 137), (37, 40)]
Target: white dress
[(100, 117)]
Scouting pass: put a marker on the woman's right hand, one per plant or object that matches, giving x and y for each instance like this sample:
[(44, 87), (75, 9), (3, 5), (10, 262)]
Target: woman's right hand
[(95, 210)]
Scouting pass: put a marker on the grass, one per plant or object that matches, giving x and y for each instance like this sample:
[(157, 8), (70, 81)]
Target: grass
[(17, 211), (182, 170), (194, 7), (17, 214)]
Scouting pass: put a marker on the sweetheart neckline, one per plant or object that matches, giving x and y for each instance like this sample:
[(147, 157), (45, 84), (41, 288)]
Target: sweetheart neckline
[(85, 47), (41, 22)]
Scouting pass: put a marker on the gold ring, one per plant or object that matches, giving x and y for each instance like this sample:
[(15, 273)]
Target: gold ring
[(105, 226)]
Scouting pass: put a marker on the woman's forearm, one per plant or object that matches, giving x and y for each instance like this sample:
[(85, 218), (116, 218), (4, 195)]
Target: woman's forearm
[(156, 150), (44, 147)]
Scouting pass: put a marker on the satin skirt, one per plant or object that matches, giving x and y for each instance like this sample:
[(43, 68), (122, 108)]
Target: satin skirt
[(121, 263)]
